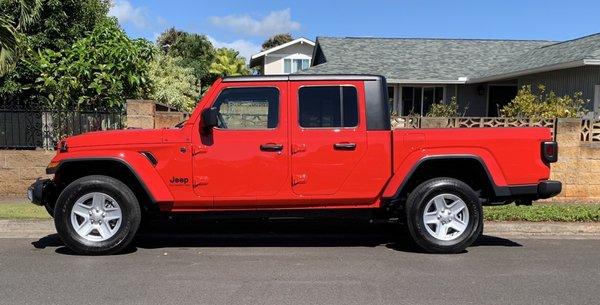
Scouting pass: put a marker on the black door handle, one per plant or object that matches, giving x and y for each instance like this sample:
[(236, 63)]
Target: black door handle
[(271, 147), (344, 146)]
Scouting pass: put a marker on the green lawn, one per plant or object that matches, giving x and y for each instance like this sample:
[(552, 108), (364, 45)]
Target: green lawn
[(22, 211), (544, 212), (536, 212)]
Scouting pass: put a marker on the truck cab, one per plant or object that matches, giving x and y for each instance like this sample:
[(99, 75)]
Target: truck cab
[(293, 143)]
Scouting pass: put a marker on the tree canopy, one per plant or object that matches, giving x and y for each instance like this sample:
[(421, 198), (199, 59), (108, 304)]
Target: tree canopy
[(72, 54), (194, 50), (228, 63), (115, 70), (172, 83), (276, 40)]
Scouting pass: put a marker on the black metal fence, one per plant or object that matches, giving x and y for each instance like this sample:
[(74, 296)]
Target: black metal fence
[(31, 125)]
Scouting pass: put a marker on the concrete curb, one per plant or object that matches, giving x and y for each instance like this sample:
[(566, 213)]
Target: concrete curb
[(525, 230)]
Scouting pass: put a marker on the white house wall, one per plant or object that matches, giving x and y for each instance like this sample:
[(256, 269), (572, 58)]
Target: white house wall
[(274, 61)]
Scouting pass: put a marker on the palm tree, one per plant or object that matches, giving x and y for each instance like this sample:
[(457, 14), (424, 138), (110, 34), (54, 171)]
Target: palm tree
[(228, 62), (10, 31)]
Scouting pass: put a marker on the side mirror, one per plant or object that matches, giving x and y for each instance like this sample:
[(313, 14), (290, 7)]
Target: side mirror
[(210, 118)]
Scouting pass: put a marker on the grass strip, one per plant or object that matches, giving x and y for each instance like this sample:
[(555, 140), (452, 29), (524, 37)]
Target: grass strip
[(22, 211), (544, 212)]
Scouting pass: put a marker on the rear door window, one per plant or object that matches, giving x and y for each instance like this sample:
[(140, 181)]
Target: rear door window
[(328, 107)]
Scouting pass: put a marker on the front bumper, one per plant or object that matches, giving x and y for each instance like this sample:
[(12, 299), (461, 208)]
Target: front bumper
[(41, 192)]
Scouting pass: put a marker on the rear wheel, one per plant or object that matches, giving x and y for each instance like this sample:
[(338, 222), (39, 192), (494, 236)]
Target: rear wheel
[(444, 215), (97, 215)]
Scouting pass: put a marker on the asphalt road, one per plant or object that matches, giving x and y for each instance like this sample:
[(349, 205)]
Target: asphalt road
[(299, 263)]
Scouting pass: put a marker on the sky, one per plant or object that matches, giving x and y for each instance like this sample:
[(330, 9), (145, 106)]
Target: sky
[(244, 25)]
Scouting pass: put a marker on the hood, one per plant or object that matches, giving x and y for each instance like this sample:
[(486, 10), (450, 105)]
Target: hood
[(116, 137)]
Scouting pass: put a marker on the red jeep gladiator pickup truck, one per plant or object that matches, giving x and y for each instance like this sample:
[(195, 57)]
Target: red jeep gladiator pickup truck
[(297, 143)]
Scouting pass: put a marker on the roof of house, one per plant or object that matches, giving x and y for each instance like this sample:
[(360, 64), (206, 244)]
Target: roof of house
[(254, 58), (570, 53), (417, 60)]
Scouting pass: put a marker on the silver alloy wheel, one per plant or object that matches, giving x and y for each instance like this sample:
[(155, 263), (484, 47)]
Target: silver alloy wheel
[(96, 216), (446, 217)]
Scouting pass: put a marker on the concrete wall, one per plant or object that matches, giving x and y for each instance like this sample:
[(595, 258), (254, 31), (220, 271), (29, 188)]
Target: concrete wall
[(143, 114), (578, 166), (20, 168)]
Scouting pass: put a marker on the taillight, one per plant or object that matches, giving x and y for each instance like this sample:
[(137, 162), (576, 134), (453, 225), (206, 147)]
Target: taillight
[(550, 151)]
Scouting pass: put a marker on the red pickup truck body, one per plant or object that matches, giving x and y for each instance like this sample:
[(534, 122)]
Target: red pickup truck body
[(287, 166)]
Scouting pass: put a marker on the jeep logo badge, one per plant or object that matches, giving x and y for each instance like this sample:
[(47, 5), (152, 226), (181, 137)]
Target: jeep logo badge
[(179, 180)]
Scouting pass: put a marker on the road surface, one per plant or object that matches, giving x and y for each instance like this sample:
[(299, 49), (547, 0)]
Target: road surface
[(299, 263)]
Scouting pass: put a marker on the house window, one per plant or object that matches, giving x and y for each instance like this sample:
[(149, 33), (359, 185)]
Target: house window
[(295, 65), (418, 100), (331, 106)]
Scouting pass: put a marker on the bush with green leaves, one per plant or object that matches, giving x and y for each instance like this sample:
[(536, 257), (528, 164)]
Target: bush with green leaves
[(35, 25), (444, 110), (543, 104), (228, 62), (172, 84), (100, 70)]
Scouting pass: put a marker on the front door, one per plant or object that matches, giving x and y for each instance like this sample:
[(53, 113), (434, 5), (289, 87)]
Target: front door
[(328, 135), (246, 156)]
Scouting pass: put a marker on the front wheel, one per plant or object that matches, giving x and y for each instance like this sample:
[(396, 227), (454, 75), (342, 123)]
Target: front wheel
[(97, 215), (444, 215)]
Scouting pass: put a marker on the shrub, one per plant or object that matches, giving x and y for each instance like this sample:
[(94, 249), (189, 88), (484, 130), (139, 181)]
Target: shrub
[(542, 104), (172, 84), (444, 110), (100, 70)]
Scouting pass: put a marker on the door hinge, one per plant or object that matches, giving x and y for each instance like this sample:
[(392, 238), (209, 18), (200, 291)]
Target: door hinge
[(200, 180), (296, 148), (299, 179), (198, 150)]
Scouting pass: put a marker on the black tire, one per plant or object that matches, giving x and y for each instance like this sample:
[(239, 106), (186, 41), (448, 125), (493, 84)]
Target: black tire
[(417, 202), (130, 210)]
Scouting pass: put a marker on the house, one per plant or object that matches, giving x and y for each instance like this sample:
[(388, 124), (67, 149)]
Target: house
[(287, 58), (483, 74)]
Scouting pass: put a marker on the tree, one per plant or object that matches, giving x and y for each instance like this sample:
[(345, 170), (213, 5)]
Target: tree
[(117, 69), (168, 39), (276, 40), (195, 51), (543, 104), (172, 84), (11, 30), (59, 24), (228, 63)]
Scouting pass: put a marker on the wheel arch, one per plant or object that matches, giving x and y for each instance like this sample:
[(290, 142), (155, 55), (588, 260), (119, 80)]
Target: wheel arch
[(148, 190), (470, 169)]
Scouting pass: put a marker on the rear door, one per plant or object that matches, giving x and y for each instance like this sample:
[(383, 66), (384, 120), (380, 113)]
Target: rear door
[(327, 133)]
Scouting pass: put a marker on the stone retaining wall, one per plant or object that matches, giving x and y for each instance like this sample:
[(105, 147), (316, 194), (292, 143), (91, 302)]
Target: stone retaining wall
[(578, 166), (20, 168)]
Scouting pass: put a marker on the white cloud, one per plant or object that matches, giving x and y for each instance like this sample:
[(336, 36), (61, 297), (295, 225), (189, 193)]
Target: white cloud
[(245, 47), (274, 23), (127, 13)]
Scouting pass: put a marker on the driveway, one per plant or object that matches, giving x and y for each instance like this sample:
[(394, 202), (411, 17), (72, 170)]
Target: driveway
[(291, 262)]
